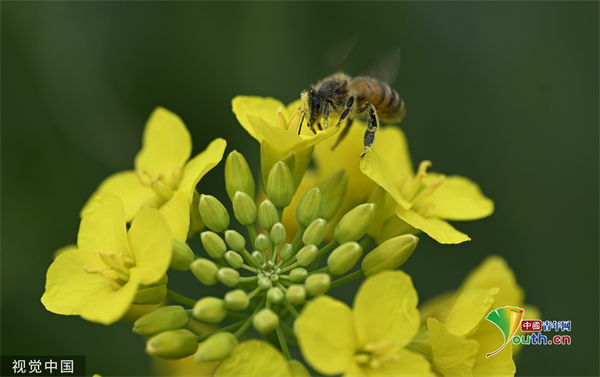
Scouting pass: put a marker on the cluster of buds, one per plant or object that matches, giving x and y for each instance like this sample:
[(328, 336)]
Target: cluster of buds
[(269, 277)]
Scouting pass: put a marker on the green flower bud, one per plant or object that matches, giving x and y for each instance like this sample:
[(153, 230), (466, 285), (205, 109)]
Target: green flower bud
[(296, 294), (317, 284), (183, 256), (244, 208), (161, 320), (280, 185), (265, 283), (314, 234), (333, 190), (277, 233), (228, 276), (258, 258), (214, 215), (205, 271), (275, 295), (238, 176), (309, 207), (261, 242), (175, 344), (355, 223), (298, 274), (389, 255), (234, 259), (235, 240), (150, 295), (237, 300), (342, 259), (265, 321), (286, 252), (213, 244), (307, 255), (210, 310), (216, 348), (267, 214), (298, 369)]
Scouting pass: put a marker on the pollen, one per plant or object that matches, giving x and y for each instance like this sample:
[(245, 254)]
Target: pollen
[(116, 271)]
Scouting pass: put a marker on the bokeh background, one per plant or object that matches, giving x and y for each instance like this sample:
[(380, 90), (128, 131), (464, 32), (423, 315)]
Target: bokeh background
[(505, 93)]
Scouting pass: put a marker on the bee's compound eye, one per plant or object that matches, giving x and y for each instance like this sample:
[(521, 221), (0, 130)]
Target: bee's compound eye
[(316, 104)]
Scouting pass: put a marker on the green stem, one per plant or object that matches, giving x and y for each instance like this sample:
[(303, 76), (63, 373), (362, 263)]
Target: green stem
[(247, 257), (180, 298), (291, 267), (252, 233), (239, 317), (347, 278), (332, 245), (290, 308), (248, 268), (282, 343), (203, 337), (248, 279), (297, 242), (366, 242), (280, 214), (249, 321), (324, 269)]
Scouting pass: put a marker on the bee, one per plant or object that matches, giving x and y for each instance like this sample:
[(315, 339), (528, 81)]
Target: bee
[(350, 97)]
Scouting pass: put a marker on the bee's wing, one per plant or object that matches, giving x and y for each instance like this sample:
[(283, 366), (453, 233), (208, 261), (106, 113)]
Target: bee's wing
[(384, 67), (338, 54)]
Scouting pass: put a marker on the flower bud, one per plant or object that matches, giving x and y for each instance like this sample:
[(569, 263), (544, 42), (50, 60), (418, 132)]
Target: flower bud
[(258, 258), (228, 276), (205, 271), (151, 295), (389, 255), (235, 240), (216, 348), (309, 207), (210, 310), (307, 255), (355, 223), (342, 259), (265, 321), (234, 259), (175, 344), (264, 283), (298, 369), (183, 256), (317, 284), (286, 252), (280, 185), (314, 234), (161, 320), (267, 214), (244, 208), (214, 215), (238, 176), (296, 294), (275, 295), (333, 191), (298, 274), (277, 233), (261, 242), (237, 300), (213, 244)]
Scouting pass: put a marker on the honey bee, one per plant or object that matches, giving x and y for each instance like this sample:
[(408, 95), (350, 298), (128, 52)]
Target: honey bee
[(351, 97)]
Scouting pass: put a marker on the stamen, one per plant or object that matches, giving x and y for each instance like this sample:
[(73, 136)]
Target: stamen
[(294, 123), (416, 184), (176, 173), (116, 261), (160, 186), (144, 176), (103, 256), (127, 260), (92, 270), (375, 364), (109, 274), (281, 122), (114, 285), (427, 191), (361, 358)]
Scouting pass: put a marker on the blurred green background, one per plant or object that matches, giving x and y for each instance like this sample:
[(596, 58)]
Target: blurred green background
[(505, 93)]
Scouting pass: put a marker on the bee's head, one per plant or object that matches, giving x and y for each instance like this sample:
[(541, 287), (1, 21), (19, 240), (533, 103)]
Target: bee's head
[(312, 105)]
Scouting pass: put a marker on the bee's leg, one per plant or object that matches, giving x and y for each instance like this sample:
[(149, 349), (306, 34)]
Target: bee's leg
[(344, 133), (372, 127), (326, 115), (347, 111)]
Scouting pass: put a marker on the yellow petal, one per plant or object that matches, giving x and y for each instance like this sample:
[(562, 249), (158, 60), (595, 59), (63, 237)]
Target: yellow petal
[(183, 367), (254, 358), (490, 339), (103, 226), (176, 212), (389, 162), (150, 242), (262, 107), (531, 312), (453, 355), (457, 198), (325, 332), (166, 144), (198, 166), (471, 307), (435, 228), (126, 185), (385, 308), (495, 272)]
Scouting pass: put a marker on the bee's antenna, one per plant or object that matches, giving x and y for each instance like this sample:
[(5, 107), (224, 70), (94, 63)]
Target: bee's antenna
[(301, 120)]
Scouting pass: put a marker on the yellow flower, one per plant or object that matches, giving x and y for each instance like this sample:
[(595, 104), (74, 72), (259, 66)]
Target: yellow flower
[(423, 200), (99, 281), (255, 358), (460, 336), (369, 340), (163, 177)]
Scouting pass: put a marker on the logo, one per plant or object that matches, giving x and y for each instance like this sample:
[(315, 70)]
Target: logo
[(507, 319)]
